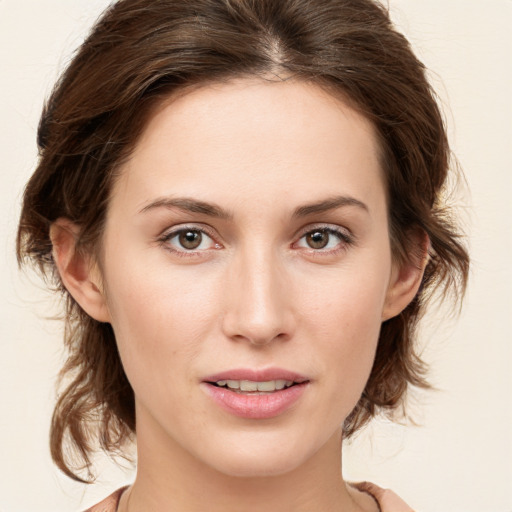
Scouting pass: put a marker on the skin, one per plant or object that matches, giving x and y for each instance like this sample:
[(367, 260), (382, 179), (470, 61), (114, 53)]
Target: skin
[(254, 294)]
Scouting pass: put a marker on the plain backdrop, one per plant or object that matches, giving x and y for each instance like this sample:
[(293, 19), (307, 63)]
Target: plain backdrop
[(459, 458)]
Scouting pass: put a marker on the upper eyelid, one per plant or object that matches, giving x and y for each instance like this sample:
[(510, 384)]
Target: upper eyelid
[(327, 226), (174, 230)]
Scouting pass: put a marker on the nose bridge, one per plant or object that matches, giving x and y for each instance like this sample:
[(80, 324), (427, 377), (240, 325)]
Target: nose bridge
[(258, 306)]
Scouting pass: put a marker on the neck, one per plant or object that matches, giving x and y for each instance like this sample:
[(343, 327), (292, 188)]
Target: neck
[(169, 478)]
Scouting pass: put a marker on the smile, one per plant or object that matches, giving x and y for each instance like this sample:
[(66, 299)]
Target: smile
[(256, 394), (251, 386)]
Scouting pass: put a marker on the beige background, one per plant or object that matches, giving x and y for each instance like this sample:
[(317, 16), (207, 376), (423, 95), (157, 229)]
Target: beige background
[(460, 458)]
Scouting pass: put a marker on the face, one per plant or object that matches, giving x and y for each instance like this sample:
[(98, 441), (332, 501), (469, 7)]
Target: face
[(247, 246)]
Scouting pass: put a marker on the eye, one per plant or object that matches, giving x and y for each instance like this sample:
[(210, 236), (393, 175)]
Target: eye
[(324, 239), (189, 240)]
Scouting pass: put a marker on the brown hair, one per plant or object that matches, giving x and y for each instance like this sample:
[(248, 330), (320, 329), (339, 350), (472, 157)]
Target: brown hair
[(138, 53)]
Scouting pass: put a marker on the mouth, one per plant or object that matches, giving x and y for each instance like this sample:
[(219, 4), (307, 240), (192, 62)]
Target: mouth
[(256, 394), (254, 387), (246, 380)]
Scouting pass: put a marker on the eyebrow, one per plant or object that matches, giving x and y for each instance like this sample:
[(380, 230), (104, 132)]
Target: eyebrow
[(331, 203), (189, 205), (212, 210)]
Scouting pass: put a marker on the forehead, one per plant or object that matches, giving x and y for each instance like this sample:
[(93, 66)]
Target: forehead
[(253, 138)]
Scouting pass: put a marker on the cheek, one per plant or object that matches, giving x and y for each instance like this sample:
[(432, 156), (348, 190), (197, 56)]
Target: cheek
[(346, 321), (160, 320), (347, 303)]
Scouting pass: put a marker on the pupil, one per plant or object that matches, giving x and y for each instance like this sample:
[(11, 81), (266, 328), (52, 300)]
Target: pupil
[(190, 239), (318, 239)]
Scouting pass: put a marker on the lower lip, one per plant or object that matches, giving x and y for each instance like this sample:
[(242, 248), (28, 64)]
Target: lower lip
[(255, 406)]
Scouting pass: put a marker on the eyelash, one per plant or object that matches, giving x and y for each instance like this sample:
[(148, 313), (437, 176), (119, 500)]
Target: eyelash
[(346, 239), (184, 253)]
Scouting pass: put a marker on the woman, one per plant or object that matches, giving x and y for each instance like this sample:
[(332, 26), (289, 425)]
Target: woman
[(242, 204)]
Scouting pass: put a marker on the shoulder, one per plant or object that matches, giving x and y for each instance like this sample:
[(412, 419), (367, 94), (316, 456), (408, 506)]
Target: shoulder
[(109, 504), (387, 500)]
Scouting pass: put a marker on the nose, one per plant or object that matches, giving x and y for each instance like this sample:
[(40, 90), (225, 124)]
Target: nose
[(259, 301)]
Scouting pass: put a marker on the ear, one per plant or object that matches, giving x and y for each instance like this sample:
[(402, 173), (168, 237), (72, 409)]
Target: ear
[(79, 273), (406, 277)]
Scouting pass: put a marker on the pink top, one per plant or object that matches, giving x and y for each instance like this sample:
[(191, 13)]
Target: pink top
[(387, 500)]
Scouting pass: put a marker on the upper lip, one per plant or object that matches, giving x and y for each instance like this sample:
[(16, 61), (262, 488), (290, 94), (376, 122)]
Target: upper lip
[(254, 375)]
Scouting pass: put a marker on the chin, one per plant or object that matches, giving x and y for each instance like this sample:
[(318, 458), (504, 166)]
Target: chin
[(262, 459), (257, 467)]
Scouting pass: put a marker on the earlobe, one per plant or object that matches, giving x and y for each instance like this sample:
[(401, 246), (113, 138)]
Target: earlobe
[(406, 278), (79, 275)]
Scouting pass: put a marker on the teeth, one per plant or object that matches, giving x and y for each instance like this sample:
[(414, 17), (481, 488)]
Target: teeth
[(249, 385), (270, 385), (281, 384)]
